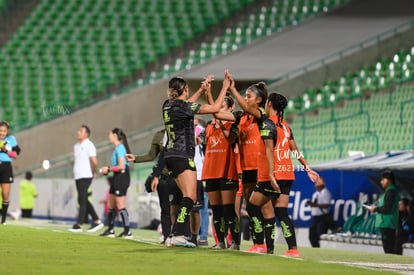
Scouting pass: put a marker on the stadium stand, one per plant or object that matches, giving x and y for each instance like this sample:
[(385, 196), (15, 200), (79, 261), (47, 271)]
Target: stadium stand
[(357, 113), (77, 51)]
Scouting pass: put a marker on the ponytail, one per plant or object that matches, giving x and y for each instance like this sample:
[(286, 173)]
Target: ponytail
[(260, 89), (279, 103), (176, 87), (122, 138)]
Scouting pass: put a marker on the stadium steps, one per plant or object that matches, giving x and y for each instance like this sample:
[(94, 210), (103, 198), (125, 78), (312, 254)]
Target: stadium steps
[(112, 55), (353, 113), (12, 15)]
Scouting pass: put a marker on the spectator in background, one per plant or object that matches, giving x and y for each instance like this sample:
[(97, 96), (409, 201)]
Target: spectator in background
[(321, 218), (402, 231), (386, 209), (28, 193)]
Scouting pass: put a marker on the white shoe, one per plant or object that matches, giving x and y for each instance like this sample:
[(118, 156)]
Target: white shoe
[(95, 227), (181, 241)]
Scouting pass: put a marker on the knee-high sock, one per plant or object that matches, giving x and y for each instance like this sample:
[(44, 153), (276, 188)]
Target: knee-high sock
[(270, 232), (218, 221), (5, 206), (287, 226), (232, 221), (256, 217), (111, 218), (183, 216), (125, 218)]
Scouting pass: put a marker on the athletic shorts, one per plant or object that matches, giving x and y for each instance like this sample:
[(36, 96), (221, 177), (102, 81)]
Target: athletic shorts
[(120, 183), (220, 185), (176, 195), (266, 188), (6, 172), (249, 176), (179, 165), (240, 191)]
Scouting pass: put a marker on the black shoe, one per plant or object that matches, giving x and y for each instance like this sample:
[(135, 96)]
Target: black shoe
[(75, 228), (108, 233), (125, 235), (270, 251)]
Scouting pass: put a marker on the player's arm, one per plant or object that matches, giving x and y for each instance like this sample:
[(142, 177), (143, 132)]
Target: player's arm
[(215, 108), (242, 103), (270, 145), (94, 163), (313, 176), (228, 135)]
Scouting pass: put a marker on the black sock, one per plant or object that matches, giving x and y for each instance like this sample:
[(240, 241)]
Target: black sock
[(111, 218), (218, 219), (125, 219), (232, 221), (5, 206), (287, 226), (194, 238), (183, 216), (256, 217), (270, 232)]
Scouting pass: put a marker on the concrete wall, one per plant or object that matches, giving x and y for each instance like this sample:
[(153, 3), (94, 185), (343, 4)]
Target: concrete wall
[(349, 63), (132, 111)]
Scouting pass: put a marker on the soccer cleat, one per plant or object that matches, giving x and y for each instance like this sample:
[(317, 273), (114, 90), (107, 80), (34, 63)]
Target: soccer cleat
[(108, 233), (76, 228), (292, 253), (270, 251), (95, 227), (4, 223), (258, 248), (219, 245), (168, 242), (125, 235), (181, 241), (234, 246)]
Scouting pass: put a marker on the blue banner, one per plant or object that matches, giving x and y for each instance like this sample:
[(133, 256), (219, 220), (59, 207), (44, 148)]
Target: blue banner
[(346, 188)]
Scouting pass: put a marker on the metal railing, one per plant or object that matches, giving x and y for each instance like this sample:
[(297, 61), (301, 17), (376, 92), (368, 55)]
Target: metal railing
[(339, 54), (67, 160), (341, 144)]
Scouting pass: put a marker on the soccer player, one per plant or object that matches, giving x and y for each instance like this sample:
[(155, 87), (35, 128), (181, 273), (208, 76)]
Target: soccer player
[(9, 149), (178, 115), (119, 184), (247, 130), (276, 172), (163, 178), (84, 168), (221, 178)]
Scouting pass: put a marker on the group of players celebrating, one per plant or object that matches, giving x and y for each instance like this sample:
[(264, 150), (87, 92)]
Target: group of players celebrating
[(255, 143)]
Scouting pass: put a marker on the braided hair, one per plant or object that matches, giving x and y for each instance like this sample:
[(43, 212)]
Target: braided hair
[(279, 103)]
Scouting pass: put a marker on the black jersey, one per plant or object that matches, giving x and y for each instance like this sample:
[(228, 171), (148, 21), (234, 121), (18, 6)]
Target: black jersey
[(178, 118)]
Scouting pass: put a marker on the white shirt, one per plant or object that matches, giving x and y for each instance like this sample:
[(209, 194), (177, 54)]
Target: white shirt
[(321, 197), (83, 152), (199, 160)]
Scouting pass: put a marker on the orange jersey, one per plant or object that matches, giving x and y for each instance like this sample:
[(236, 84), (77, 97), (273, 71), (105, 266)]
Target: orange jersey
[(283, 168), (217, 155), (282, 154), (232, 167), (249, 138)]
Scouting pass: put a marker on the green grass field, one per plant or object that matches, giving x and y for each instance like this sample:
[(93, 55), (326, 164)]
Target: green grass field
[(39, 247)]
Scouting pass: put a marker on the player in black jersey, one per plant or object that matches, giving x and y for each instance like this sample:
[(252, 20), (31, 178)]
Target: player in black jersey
[(178, 115)]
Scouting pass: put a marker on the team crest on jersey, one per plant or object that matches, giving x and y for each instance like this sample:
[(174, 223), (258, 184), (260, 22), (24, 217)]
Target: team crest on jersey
[(214, 141)]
